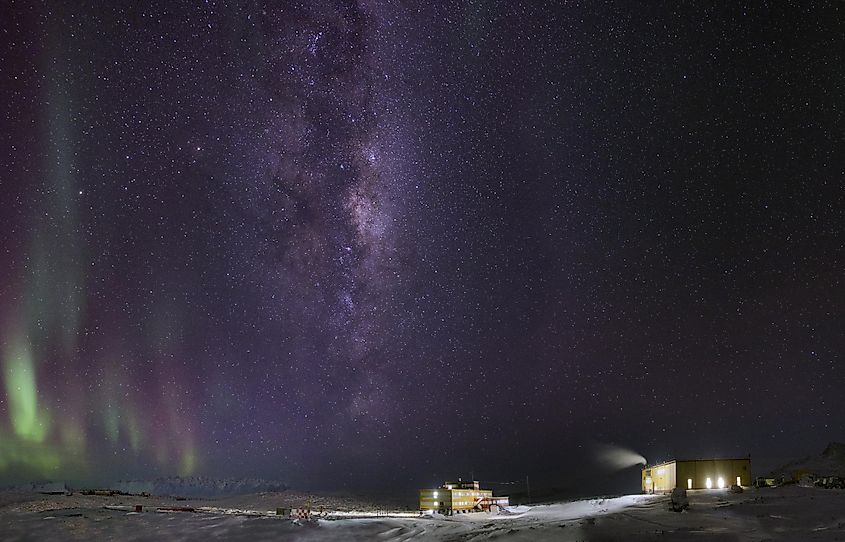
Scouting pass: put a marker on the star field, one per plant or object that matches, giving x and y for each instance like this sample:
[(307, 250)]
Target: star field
[(380, 243)]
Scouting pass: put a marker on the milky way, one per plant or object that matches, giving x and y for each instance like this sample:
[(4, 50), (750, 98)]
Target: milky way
[(381, 244)]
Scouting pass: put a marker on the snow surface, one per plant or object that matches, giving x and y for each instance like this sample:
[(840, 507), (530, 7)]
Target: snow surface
[(776, 514)]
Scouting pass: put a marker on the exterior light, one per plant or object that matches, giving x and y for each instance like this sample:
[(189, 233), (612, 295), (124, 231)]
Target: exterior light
[(436, 504), (689, 483), (721, 482), (739, 480), (709, 483), (435, 495)]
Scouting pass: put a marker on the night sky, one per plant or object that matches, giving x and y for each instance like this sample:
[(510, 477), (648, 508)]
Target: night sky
[(382, 244)]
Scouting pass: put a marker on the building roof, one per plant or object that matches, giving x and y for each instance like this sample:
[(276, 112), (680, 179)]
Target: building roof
[(746, 458)]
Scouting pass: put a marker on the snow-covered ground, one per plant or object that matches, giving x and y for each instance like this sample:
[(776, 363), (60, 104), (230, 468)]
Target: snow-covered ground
[(785, 513)]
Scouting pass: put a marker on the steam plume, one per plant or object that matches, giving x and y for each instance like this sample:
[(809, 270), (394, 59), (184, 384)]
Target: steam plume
[(615, 458)]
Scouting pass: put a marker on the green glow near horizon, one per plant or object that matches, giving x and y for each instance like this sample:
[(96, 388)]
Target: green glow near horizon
[(28, 421), (133, 429), (73, 437), (111, 420), (28, 456), (25, 449), (188, 463), (44, 436), (161, 453)]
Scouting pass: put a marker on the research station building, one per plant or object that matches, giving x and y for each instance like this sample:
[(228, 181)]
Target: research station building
[(460, 497), (696, 474)]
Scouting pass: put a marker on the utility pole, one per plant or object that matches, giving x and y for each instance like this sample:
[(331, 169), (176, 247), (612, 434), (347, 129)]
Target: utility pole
[(528, 488)]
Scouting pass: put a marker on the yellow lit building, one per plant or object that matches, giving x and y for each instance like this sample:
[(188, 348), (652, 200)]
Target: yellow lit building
[(696, 474), (460, 497)]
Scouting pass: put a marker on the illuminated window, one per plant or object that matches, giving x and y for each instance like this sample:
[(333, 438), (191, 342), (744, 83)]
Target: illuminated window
[(660, 471), (739, 480), (436, 504), (708, 483), (721, 482), (689, 483)]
